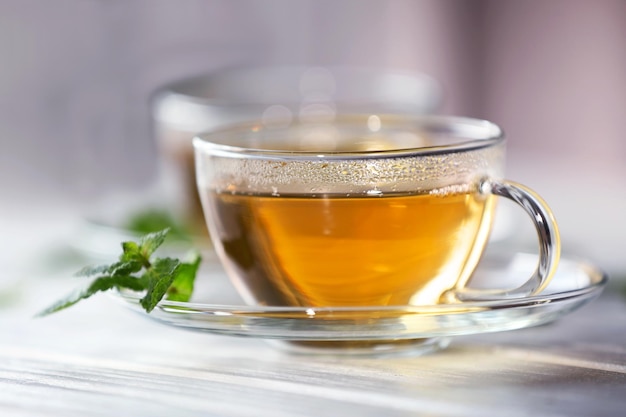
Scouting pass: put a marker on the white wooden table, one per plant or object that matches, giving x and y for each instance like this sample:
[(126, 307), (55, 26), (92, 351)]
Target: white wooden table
[(99, 359)]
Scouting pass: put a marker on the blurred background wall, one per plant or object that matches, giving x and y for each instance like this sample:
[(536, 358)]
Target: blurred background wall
[(76, 77)]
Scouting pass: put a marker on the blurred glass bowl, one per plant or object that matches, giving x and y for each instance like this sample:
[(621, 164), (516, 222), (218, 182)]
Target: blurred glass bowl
[(271, 95)]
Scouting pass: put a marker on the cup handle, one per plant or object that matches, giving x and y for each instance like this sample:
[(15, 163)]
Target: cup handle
[(547, 233)]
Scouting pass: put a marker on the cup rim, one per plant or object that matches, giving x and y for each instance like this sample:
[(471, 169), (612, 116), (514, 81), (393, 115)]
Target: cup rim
[(215, 142)]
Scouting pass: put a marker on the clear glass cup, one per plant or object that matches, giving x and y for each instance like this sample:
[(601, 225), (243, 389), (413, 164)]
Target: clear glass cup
[(362, 209)]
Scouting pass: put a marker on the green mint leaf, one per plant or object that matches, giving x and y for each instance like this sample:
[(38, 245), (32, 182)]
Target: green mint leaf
[(103, 283), (150, 242), (160, 276), (89, 271), (116, 269), (132, 253), (154, 219), (184, 279), (130, 249), (158, 279), (125, 268)]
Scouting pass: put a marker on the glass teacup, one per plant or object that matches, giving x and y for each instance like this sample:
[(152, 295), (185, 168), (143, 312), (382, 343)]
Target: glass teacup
[(361, 210)]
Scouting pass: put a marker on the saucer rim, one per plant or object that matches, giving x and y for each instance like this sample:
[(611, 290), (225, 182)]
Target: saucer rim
[(369, 323), (597, 277)]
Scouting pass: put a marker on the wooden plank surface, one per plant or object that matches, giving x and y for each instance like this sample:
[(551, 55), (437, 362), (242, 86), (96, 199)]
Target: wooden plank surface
[(102, 360)]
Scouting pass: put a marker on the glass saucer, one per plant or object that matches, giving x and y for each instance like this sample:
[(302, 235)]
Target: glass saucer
[(382, 328)]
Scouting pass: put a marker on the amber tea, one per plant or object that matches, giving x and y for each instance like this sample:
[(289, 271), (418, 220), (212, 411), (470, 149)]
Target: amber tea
[(326, 250)]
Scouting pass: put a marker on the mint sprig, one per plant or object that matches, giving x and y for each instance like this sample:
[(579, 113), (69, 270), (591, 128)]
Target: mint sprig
[(138, 270)]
